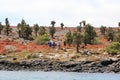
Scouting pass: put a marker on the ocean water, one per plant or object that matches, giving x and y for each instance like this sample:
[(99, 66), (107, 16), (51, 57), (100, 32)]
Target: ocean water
[(29, 75)]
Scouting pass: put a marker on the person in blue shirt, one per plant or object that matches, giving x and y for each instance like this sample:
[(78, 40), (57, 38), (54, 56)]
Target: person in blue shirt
[(49, 44)]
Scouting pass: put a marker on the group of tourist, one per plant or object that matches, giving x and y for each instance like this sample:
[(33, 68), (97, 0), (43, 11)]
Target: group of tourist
[(57, 43), (52, 44)]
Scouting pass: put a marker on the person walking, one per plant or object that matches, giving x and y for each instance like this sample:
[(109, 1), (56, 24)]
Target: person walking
[(58, 44), (51, 43), (64, 43)]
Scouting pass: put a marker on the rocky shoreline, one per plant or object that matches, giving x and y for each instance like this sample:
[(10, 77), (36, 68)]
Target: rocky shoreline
[(104, 66)]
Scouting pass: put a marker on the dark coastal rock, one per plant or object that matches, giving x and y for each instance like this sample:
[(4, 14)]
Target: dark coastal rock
[(115, 67), (104, 66), (106, 62)]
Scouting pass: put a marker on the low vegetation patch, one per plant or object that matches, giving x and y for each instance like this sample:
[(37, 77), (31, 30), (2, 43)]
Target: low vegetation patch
[(97, 41), (42, 39), (30, 56), (113, 48)]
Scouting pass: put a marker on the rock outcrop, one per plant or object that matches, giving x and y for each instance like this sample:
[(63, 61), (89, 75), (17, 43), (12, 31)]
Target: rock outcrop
[(104, 66)]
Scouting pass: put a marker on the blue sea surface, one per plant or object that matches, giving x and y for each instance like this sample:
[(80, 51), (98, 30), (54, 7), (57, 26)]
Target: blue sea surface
[(29, 75)]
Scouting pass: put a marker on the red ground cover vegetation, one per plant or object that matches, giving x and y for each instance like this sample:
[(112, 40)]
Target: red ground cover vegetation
[(21, 47)]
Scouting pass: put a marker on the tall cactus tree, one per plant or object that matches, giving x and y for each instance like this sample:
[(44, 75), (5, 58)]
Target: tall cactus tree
[(119, 24), (69, 38), (110, 34), (80, 24), (52, 29), (24, 29), (117, 36), (84, 23), (61, 24), (79, 27), (7, 27), (77, 39), (36, 29), (19, 29), (42, 31), (90, 34), (1, 27), (103, 30), (28, 31), (53, 23)]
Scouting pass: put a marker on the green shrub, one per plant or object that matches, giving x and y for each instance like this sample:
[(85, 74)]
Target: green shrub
[(97, 41), (42, 39), (30, 56), (113, 48)]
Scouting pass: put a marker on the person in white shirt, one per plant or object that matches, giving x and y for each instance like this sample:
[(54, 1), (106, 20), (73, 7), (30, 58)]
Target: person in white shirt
[(58, 44)]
